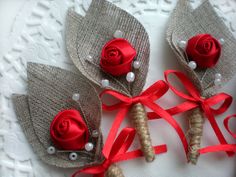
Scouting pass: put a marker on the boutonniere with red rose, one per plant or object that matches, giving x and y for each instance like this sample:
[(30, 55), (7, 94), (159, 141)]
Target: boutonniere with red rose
[(205, 48)]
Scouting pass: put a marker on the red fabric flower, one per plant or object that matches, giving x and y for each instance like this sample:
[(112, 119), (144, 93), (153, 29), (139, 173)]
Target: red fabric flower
[(204, 49), (117, 56), (68, 130)]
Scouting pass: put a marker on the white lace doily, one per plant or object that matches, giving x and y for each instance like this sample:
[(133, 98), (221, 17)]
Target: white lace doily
[(33, 30)]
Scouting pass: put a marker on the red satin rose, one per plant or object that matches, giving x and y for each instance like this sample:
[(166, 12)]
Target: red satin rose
[(117, 56), (68, 130), (204, 49)]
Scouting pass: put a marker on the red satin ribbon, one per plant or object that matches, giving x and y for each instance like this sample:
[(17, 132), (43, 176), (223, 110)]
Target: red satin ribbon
[(225, 147), (147, 98), (194, 100), (226, 124), (117, 152)]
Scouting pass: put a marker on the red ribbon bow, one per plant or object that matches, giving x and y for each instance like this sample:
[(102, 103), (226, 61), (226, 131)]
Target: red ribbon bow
[(147, 98), (117, 152), (194, 100)]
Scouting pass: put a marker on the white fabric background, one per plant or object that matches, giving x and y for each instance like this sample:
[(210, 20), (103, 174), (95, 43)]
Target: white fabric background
[(33, 30)]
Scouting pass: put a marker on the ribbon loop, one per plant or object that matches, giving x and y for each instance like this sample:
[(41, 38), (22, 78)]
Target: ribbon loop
[(226, 124), (121, 144)]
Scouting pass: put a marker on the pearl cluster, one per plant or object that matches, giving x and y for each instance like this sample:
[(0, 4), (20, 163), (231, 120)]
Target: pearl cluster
[(73, 155), (217, 80)]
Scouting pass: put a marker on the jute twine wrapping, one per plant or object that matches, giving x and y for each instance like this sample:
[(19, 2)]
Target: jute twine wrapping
[(139, 119), (114, 171), (196, 121)]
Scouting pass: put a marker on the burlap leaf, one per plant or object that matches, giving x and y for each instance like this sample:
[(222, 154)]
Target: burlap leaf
[(49, 91), (185, 23), (86, 36)]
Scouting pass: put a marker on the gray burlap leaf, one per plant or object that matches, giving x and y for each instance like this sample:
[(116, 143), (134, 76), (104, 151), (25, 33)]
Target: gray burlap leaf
[(49, 91), (185, 23), (88, 36)]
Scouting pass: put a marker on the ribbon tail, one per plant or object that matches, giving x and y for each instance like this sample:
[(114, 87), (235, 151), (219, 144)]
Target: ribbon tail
[(183, 107), (94, 172), (216, 128), (138, 153), (219, 148), (113, 131), (165, 115)]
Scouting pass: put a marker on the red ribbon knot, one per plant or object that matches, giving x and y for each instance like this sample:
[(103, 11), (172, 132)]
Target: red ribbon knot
[(194, 100), (147, 98), (117, 152)]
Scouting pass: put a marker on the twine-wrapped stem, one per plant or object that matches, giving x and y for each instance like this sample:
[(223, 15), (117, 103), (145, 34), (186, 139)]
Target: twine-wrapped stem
[(114, 171), (196, 121), (139, 118)]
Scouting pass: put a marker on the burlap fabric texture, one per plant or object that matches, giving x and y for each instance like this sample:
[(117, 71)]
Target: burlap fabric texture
[(50, 90)]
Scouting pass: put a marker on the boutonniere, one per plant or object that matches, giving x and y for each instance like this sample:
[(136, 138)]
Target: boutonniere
[(60, 116), (205, 48), (111, 48)]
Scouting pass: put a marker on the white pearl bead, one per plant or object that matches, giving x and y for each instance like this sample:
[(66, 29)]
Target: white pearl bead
[(136, 64), (182, 44), (221, 41), (218, 76), (192, 64), (76, 96), (217, 82), (89, 57), (73, 156), (95, 133), (130, 77), (105, 83), (51, 150), (118, 34), (88, 147)]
